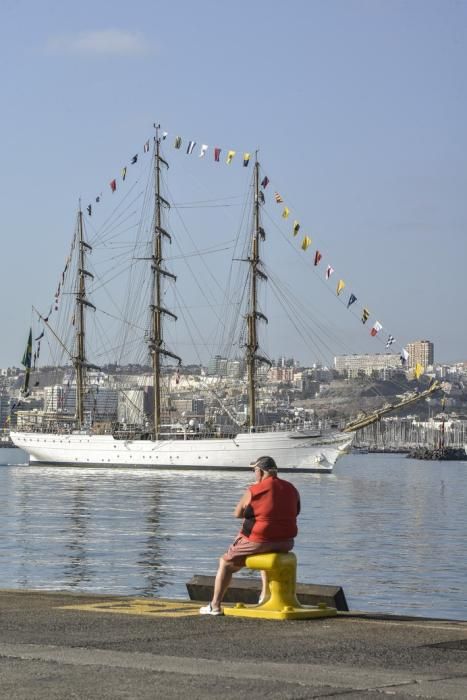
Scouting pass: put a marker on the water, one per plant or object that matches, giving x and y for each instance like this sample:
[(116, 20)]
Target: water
[(391, 531)]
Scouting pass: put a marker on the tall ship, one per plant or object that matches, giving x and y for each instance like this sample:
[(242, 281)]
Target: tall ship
[(149, 434)]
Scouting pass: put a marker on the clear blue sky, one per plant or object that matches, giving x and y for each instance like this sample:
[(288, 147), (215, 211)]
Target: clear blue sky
[(358, 107)]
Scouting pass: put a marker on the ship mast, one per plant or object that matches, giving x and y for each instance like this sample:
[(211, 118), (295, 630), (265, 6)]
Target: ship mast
[(79, 359), (253, 314), (156, 340)]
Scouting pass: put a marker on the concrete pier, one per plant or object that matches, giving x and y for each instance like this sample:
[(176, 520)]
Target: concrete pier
[(59, 645)]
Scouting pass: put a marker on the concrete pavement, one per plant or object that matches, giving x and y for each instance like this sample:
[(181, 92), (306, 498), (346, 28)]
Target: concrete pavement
[(59, 645)]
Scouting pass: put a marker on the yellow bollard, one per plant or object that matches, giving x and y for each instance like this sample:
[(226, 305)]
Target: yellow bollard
[(282, 603)]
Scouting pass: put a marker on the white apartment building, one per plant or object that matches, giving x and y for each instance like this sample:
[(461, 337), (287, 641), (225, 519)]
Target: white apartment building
[(355, 365)]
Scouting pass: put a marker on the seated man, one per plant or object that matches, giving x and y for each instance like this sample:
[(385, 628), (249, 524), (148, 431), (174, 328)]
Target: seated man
[(269, 508)]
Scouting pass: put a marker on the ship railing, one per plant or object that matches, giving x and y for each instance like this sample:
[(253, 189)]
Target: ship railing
[(169, 433), (173, 434), (302, 427), (44, 428)]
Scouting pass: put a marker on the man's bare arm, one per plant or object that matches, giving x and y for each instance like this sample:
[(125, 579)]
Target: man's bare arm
[(242, 504)]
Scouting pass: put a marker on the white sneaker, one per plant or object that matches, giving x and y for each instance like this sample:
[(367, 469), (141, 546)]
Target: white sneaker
[(209, 610)]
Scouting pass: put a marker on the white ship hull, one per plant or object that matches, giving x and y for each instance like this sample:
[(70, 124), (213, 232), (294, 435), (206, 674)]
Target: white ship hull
[(293, 451)]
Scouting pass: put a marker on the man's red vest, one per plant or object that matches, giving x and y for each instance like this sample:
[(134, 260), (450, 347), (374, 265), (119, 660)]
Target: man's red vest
[(271, 515)]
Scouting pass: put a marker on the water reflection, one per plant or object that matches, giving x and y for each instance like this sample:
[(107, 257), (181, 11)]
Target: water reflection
[(25, 550), (151, 561), (76, 570)]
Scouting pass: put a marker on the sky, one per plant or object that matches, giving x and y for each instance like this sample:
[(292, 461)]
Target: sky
[(357, 107)]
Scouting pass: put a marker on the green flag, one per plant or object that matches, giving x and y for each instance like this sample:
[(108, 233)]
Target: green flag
[(26, 361)]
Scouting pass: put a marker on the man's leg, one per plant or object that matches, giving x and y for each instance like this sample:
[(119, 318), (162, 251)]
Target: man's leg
[(264, 587), (222, 582)]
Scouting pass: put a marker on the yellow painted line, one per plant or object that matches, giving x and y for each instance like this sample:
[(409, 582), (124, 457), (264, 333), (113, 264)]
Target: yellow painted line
[(161, 608)]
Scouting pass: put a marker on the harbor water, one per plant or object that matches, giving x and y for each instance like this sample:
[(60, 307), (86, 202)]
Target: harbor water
[(390, 530)]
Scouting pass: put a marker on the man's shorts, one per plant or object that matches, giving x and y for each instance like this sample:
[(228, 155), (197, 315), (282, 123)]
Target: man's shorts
[(242, 548)]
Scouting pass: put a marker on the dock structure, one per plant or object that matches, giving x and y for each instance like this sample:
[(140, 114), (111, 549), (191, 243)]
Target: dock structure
[(55, 645), (443, 454)]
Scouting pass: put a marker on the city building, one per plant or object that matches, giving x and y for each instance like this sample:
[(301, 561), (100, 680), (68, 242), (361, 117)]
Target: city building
[(356, 365), (198, 407), (217, 366), (281, 374), (421, 352), (235, 368), (4, 408), (98, 401)]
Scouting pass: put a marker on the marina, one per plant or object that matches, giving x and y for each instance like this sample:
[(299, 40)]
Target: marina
[(405, 434)]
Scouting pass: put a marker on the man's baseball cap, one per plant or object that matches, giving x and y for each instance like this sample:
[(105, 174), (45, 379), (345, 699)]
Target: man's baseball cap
[(266, 464)]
